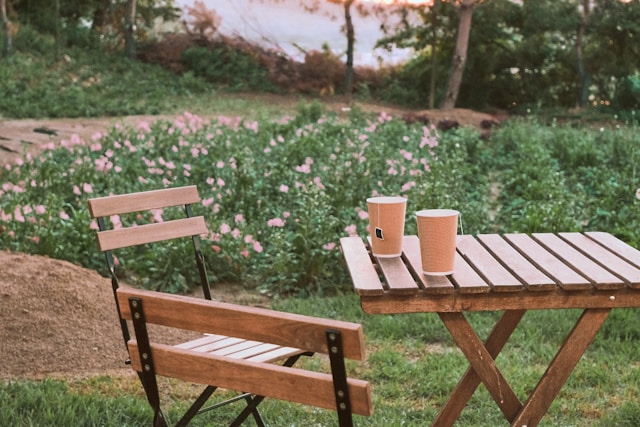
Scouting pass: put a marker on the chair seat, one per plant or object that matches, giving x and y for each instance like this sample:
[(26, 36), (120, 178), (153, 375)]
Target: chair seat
[(238, 348)]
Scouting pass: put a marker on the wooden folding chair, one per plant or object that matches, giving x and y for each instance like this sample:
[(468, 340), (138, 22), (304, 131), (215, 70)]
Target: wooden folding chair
[(153, 232)]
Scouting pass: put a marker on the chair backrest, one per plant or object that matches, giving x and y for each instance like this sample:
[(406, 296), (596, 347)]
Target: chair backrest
[(123, 236), (265, 379)]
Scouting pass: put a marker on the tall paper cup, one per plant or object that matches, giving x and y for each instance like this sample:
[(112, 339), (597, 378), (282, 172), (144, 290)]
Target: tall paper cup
[(437, 230), (386, 222)]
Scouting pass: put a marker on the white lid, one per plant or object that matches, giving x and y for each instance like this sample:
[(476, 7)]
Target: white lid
[(437, 212), (386, 199)]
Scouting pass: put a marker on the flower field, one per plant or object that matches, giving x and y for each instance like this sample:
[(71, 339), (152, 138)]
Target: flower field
[(278, 195)]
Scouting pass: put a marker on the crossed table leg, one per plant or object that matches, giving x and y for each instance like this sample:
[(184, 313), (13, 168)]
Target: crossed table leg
[(483, 368)]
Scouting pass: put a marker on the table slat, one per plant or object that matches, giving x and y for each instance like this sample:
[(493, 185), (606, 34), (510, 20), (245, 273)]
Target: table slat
[(616, 245), (467, 279), (498, 277), (565, 276), (604, 257), (431, 284), (398, 277), (534, 279), (363, 274), (601, 278)]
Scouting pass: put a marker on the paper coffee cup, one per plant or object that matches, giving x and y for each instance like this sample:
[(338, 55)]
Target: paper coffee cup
[(386, 223), (437, 230)]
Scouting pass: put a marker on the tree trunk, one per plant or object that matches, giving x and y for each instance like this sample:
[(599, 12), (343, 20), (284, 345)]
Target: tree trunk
[(348, 78), (58, 36), (585, 78), (460, 56), (101, 16), (6, 27), (130, 29), (434, 62)]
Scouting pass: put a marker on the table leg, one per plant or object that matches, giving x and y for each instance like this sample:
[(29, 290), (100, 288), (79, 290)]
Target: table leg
[(482, 363), (470, 381), (561, 367)]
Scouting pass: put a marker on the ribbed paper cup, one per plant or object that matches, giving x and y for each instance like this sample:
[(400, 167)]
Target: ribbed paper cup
[(386, 222), (437, 230)]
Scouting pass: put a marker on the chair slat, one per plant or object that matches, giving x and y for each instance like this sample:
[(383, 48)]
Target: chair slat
[(263, 379), (274, 355), (150, 233), (145, 200), (286, 329)]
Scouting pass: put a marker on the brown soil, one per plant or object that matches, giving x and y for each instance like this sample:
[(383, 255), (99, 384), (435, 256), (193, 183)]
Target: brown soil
[(59, 319)]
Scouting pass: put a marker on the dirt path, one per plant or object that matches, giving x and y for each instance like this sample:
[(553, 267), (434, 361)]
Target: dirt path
[(18, 137)]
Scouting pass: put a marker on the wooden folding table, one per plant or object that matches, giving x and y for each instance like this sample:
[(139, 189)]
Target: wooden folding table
[(513, 273)]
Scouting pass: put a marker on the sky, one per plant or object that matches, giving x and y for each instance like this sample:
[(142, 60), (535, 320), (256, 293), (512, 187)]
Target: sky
[(285, 25)]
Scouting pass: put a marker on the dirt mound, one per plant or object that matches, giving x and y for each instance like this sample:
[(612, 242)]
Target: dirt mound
[(56, 317), (59, 319)]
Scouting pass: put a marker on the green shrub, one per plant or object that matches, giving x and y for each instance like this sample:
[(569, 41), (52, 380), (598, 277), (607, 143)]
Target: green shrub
[(225, 66)]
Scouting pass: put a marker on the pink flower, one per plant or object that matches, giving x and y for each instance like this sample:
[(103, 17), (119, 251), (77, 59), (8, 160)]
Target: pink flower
[(207, 202), (245, 253), (257, 247), (64, 216), (362, 214), (87, 188), (115, 220), (329, 246), (408, 186), (318, 183), (157, 215), (286, 214), (92, 226), (144, 126), (351, 230), (238, 218), (35, 239), (40, 209), (235, 233), (275, 222), (216, 248), (76, 190), (225, 228), (306, 168), (17, 215), (284, 188)]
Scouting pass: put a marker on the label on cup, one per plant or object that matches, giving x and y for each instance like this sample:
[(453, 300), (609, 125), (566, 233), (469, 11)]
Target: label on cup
[(378, 232)]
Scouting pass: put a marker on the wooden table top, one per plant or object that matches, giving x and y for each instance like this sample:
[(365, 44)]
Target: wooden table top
[(501, 272)]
